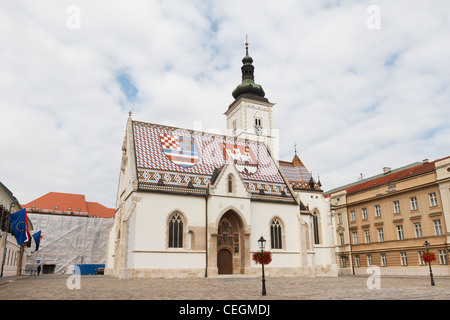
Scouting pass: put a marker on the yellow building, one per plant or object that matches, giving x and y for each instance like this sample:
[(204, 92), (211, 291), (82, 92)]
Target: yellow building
[(385, 220)]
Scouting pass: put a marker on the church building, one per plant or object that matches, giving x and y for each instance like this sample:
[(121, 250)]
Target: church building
[(194, 204)]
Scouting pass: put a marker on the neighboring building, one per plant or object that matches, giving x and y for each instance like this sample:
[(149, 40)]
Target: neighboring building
[(10, 253), (74, 231), (194, 204), (385, 220)]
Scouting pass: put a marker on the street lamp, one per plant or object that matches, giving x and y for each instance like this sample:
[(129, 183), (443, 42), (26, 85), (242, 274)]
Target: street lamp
[(427, 247), (262, 245)]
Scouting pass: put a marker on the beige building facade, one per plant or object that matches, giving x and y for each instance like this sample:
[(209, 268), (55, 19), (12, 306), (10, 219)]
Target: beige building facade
[(384, 220)]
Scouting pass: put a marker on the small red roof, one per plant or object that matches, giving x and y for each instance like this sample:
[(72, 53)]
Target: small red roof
[(69, 202)]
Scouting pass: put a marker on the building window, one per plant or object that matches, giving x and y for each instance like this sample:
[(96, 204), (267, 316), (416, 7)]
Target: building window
[(380, 235), (342, 239), (352, 215), (258, 125), (230, 184), (176, 231), (343, 262), (367, 236), (421, 262), (403, 259), (364, 213), (369, 260), (414, 203), (437, 227), (442, 257), (400, 234), (357, 261), (377, 211), (355, 237), (316, 228), (275, 234), (339, 218), (433, 199), (396, 206), (418, 229), (383, 260)]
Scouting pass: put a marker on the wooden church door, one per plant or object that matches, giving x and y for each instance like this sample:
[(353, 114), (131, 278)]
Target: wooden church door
[(225, 262)]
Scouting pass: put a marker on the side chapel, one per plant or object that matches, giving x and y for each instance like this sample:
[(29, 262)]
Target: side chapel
[(194, 204)]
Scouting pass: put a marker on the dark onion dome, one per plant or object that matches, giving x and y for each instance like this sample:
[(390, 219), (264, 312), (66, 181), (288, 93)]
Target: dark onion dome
[(248, 88)]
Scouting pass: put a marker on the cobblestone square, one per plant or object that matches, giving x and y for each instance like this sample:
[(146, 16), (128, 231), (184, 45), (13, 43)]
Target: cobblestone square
[(100, 287)]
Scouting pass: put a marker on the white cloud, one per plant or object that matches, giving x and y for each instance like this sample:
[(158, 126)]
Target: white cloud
[(353, 99)]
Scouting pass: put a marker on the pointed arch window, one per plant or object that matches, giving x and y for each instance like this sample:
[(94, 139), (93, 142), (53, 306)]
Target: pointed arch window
[(316, 228), (230, 183), (258, 125), (276, 234), (176, 230)]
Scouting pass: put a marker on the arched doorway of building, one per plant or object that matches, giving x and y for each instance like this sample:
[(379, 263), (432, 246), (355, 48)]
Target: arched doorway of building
[(230, 244)]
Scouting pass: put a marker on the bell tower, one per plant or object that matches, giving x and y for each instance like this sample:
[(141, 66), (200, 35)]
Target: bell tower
[(250, 115)]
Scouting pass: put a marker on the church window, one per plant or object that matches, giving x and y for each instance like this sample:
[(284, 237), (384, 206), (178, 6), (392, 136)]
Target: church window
[(176, 231), (316, 228), (230, 184), (275, 234), (228, 236)]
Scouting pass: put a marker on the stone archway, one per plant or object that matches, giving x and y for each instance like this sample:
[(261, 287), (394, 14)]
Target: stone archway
[(231, 246)]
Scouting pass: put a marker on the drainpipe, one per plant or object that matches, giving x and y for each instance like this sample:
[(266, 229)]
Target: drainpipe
[(206, 232)]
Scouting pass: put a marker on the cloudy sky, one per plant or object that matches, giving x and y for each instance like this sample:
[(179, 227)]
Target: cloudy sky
[(358, 85)]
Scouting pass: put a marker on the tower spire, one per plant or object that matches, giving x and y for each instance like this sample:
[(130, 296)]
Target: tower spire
[(248, 87)]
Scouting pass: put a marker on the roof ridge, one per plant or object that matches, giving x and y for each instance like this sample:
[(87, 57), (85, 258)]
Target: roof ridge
[(192, 131), (378, 176)]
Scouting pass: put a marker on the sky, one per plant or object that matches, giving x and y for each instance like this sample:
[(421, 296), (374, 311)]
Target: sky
[(357, 85)]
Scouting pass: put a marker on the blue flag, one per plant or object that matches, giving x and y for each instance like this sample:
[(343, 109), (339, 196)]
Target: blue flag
[(19, 223), (37, 239)]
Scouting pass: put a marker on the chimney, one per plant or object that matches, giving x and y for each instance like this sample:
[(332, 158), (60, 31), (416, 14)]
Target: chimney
[(386, 170), (425, 161)]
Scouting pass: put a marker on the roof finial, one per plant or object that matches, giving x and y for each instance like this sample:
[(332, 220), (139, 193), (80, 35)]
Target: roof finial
[(295, 148), (246, 44), (131, 111)]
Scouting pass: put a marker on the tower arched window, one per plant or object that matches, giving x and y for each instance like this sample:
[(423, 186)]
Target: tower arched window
[(276, 234), (175, 226)]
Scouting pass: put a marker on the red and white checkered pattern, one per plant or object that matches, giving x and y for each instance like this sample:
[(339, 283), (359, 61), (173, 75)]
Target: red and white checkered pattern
[(170, 142)]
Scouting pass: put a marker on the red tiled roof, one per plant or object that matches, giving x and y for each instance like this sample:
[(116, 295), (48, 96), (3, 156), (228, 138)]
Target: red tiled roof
[(99, 210), (69, 202), (410, 172)]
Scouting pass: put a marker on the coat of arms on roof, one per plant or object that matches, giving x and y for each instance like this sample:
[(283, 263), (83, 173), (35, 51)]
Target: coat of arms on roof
[(180, 150), (242, 157)]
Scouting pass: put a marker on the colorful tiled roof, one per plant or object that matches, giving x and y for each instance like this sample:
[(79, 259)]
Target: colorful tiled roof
[(66, 203), (298, 175), (181, 160)]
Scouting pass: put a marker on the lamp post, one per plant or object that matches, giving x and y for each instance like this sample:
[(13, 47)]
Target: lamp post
[(262, 245), (427, 247)]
